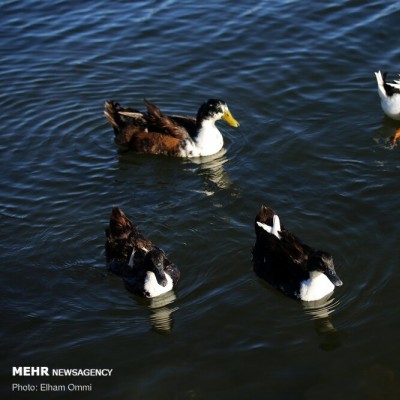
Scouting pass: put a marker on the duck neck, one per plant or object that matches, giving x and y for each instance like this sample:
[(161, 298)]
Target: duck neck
[(316, 287), (153, 288), (208, 138)]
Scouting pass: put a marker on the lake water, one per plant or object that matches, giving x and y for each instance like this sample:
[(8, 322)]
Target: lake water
[(313, 144)]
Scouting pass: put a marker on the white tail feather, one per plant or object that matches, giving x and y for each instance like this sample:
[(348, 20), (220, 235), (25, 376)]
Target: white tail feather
[(274, 229), (381, 86), (379, 78), (395, 85), (266, 227), (276, 226), (131, 262)]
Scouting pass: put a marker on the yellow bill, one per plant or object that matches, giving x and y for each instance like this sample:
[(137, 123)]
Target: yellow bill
[(228, 117)]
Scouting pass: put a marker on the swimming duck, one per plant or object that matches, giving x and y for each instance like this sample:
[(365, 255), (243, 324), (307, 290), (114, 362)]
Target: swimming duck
[(389, 93), (289, 265), (175, 135), (144, 268)]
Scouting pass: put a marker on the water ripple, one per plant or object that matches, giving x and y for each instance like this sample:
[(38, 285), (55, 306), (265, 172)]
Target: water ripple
[(313, 144)]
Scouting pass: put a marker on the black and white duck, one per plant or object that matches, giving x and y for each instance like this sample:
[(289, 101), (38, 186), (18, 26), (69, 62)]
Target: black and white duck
[(289, 265), (389, 92)]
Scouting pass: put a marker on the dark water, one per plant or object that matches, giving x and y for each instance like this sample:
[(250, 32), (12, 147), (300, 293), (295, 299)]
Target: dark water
[(313, 144)]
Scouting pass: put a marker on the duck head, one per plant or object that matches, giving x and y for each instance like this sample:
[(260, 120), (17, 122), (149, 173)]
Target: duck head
[(322, 261), (214, 110), (154, 261)]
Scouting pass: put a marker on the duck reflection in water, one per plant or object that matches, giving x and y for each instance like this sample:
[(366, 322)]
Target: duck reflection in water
[(321, 312), (212, 170), (161, 312)]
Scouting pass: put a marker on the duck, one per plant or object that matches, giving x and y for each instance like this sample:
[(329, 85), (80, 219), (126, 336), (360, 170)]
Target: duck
[(180, 136), (289, 265), (389, 92), (144, 268)]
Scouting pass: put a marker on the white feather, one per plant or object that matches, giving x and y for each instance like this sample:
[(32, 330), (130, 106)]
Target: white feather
[(208, 141), (266, 227), (316, 287), (274, 229), (131, 262), (395, 85), (152, 287), (276, 226), (390, 104)]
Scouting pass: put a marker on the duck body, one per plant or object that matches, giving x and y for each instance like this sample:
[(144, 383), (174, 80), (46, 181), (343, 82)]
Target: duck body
[(292, 267), (389, 93), (180, 136), (144, 268)]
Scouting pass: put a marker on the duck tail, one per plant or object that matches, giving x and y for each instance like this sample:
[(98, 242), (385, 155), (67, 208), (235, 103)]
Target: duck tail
[(276, 227), (382, 85), (379, 78), (120, 225), (395, 84), (111, 109), (265, 215), (385, 88)]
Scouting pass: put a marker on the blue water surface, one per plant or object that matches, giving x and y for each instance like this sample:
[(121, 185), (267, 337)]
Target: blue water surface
[(313, 144)]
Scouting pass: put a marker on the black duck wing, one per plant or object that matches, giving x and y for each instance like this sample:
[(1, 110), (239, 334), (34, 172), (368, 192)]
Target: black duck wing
[(172, 271), (292, 248)]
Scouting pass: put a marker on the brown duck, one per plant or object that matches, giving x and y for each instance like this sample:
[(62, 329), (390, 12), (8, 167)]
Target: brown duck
[(180, 136)]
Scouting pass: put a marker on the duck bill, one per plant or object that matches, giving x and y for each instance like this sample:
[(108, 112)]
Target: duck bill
[(332, 276), (228, 117)]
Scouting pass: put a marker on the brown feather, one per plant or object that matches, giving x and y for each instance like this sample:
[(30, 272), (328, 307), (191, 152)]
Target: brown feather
[(158, 122), (151, 132), (155, 143)]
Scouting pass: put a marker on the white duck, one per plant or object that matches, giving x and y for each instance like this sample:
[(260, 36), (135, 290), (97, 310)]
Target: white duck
[(389, 92)]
